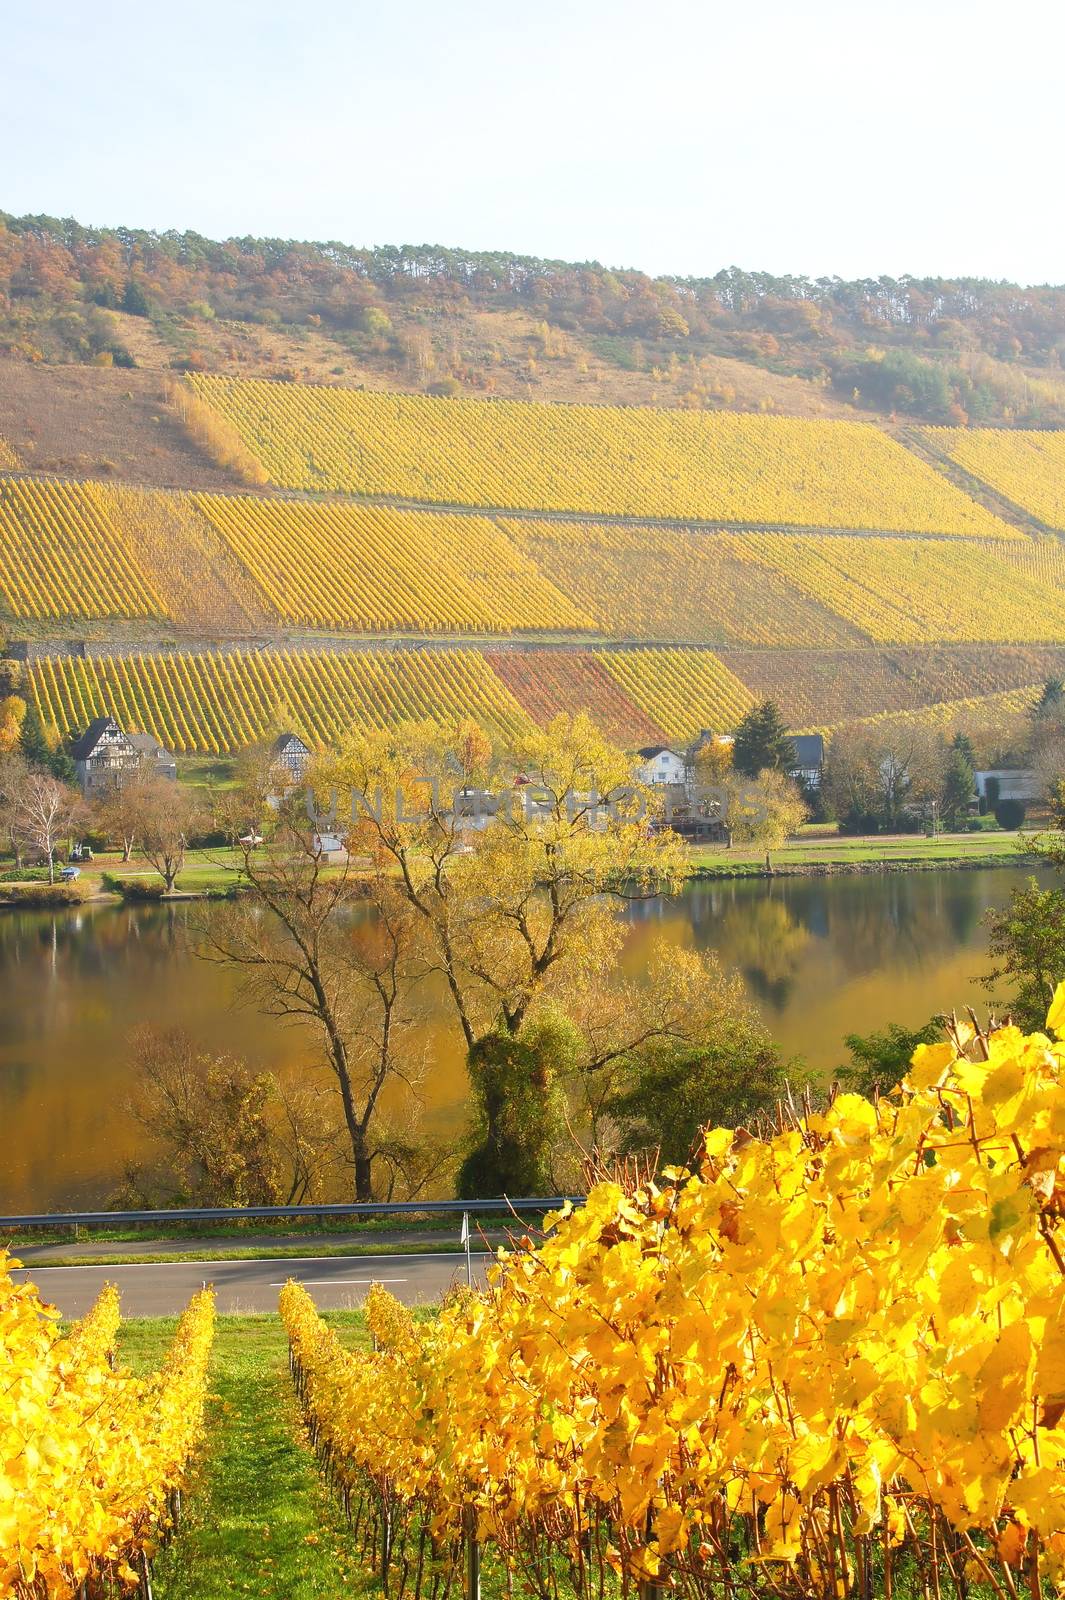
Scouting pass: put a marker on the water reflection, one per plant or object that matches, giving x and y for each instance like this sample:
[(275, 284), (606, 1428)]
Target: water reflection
[(821, 957)]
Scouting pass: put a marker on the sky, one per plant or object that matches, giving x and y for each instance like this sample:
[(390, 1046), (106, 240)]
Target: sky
[(673, 136)]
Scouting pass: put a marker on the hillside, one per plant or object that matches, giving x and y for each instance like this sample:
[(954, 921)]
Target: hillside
[(430, 318), (410, 555)]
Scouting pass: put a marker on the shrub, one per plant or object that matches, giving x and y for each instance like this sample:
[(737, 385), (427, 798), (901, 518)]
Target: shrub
[(42, 894), (1009, 814), (135, 888)]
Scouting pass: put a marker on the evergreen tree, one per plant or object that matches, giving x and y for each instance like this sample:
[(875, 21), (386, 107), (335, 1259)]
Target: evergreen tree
[(962, 742), (762, 742), (959, 785), (33, 741), (134, 300)]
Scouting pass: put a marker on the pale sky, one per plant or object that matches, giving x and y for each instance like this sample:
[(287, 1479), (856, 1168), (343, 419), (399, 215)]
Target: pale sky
[(921, 136)]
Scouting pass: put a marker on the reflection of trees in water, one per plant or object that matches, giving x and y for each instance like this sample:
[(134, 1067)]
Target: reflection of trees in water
[(767, 943), (890, 922), (95, 939)]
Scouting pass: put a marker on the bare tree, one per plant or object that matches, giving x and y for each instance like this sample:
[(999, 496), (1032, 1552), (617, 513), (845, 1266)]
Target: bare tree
[(312, 949), (46, 812), (119, 812), (167, 816), (228, 1135)]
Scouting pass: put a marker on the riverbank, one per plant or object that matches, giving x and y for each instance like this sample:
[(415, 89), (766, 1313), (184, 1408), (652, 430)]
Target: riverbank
[(218, 875), (833, 855)]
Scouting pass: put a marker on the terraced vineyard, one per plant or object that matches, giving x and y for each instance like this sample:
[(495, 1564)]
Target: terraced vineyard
[(683, 691), (372, 568), (64, 555), (685, 466), (678, 584), (917, 591), (1002, 714), (546, 682), (216, 703), (822, 688), (1027, 467)]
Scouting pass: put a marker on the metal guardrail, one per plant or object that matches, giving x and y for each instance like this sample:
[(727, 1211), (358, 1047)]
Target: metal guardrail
[(383, 1208)]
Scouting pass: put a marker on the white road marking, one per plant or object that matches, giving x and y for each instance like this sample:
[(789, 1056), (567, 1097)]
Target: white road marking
[(305, 1281)]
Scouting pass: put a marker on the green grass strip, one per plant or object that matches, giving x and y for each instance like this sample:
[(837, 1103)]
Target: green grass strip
[(258, 1517)]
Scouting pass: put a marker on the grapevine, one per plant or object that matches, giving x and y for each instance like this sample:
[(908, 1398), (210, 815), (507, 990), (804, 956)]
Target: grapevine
[(90, 1456), (510, 455), (829, 1360)]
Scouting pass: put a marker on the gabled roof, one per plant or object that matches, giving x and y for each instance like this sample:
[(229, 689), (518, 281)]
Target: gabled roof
[(809, 749), (286, 741), (83, 748), (649, 752), (147, 744)]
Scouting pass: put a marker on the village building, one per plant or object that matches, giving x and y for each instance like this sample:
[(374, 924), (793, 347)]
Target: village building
[(153, 755), (104, 756), (1006, 783), (809, 759), (289, 754), (290, 759), (659, 765)]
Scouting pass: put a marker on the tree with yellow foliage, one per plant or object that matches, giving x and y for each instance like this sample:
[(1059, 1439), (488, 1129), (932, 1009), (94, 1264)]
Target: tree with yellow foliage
[(515, 868)]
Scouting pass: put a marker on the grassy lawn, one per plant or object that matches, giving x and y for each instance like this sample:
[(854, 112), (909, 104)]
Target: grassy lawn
[(258, 1517), (837, 850)]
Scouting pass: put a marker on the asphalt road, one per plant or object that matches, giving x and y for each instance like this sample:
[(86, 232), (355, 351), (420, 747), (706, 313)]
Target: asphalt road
[(334, 1282)]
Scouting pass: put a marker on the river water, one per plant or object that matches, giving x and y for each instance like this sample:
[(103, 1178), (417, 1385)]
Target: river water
[(822, 957)]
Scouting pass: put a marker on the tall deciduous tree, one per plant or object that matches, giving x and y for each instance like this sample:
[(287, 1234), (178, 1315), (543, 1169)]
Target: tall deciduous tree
[(120, 812), (318, 945), (47, 812), (168, 815), (766, 812), (512, 905)]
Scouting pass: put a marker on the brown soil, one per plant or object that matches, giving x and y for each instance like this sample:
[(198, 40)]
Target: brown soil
[(95, 422)]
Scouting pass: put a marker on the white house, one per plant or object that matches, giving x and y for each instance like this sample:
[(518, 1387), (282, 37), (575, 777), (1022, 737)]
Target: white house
[(659, 765), (1007, 783)]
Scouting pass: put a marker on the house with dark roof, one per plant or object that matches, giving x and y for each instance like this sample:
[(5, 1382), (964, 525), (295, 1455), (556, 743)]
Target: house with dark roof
[(104, 756), (289, 753), (289, 758), (101, 755), (659, 764), (809, 759)]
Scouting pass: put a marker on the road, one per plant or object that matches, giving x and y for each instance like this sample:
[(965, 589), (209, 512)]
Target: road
[(164, 1288)]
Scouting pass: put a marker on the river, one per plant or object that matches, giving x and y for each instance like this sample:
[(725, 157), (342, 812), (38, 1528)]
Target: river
[(822, 957)]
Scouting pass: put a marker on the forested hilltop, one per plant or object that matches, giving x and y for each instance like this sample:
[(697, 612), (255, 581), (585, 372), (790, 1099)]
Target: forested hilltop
[(446, 321)]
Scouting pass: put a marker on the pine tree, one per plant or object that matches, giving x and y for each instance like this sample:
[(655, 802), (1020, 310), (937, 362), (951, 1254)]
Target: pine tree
[(762, 742), (32, 739), (962, 742), (959, 785)]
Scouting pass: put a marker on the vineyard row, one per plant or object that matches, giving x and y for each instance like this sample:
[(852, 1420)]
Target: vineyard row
[(215, 564), (217, 703)]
